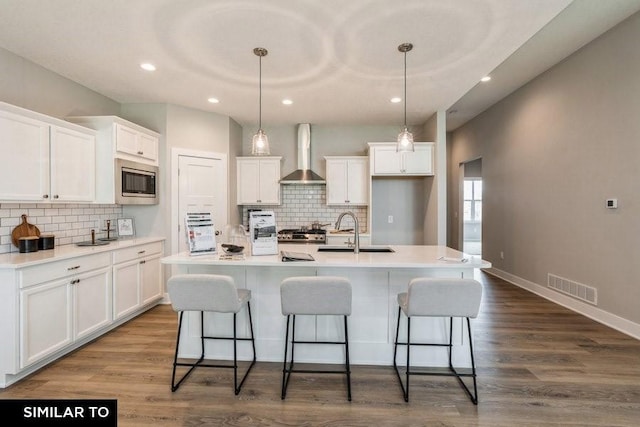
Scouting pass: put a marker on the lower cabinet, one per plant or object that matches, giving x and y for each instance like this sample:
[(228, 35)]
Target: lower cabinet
[(126, 295), (50, 308), (57, 313), (136, 279)]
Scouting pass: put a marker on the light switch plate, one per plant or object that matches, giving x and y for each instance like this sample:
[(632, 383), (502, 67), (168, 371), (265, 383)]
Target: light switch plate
[(612, 203)]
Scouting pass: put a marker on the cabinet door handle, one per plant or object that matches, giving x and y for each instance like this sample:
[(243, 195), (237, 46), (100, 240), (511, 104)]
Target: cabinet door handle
[(56, 196), (140, 153), (73, 282), (143, 262), (46, 196), (141, 252), (75, 267), (259, 201)]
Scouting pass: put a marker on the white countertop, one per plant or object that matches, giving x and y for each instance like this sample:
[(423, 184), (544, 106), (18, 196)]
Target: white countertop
[(405, 256), (19, 260)]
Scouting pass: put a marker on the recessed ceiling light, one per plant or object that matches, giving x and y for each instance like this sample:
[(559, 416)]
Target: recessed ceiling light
[(485, 79), (148, 66), (287, 101), (213, 100), (396, 100)]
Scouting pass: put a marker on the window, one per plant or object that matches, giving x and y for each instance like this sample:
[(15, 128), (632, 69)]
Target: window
[(472, 200)]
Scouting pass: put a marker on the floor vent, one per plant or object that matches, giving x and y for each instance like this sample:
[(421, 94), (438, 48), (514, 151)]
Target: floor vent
[(574, 289)]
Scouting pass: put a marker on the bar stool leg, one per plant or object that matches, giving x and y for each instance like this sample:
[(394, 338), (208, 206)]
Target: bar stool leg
[(395, 352), (285, 378), (235, 355), (406, 392), (175, 357), (474, 398), (347, 366), (238, 387), (174, 385)]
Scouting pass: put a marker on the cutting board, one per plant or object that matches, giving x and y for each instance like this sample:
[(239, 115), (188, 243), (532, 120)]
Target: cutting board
[(24, 230)]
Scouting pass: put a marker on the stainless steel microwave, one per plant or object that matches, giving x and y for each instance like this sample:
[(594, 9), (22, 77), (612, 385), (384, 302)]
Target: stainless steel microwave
[(136, 183)]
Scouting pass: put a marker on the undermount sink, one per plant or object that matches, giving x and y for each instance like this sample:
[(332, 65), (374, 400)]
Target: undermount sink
[(385, 249)]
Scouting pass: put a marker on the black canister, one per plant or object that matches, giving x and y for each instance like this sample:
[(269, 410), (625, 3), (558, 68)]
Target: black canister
[(46, 241), (28, 244)]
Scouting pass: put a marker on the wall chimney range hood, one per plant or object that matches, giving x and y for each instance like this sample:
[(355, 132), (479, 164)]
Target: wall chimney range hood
[(304, 174)]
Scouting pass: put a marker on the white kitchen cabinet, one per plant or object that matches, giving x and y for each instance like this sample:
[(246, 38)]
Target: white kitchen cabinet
[(44, 159), (384, 160), (135, 143), (92, 302), (117, 139), (126, 295), (136, 278), (150, 283), (347, 180), (73, 169), (52, 302), (61, 303), (120, 138), (258, 180), (45, 320)]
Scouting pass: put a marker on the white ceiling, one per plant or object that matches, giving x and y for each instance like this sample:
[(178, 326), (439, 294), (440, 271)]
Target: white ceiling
[(336, 59)]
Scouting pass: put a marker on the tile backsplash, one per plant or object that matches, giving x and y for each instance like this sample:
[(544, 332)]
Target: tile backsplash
[(303, 204), (69, 223)]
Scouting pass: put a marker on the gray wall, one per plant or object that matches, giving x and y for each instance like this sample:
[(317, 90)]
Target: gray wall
[(552, 153), (28, 85), (413, 202), (186, 128), (325, 141)]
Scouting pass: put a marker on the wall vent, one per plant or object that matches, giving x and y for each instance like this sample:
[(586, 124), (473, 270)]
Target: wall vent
[(574, 289)]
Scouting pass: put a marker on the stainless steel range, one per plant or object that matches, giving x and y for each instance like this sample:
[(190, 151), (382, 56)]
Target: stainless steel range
[(302, 236)]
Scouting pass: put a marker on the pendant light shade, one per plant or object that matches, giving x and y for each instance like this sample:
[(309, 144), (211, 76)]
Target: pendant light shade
[(405, 138), (260, 142)]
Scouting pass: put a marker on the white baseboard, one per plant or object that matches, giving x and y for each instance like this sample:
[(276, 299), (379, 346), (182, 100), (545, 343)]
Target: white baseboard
[(616, 322)]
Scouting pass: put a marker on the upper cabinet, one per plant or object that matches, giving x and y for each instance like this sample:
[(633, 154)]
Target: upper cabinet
[(119, 138), (347, 180), (384, 159), (258, 180), (73, 169), (135, 144), (43, 159)]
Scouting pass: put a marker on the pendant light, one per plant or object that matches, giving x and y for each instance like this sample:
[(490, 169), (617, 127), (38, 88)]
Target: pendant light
[(260, 142), (405, 138)]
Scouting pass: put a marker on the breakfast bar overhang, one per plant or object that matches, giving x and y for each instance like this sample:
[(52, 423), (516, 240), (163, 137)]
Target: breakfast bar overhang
[(376, 279)]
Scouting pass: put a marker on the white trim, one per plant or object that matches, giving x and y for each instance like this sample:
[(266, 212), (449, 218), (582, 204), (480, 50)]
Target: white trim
[(176, 152), (613, 321)]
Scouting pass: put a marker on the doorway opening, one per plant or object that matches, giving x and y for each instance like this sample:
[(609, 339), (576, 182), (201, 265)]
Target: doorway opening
[(472, 208)]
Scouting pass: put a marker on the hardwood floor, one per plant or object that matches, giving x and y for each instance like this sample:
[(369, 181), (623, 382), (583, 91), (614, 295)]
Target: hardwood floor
[(539, 364)]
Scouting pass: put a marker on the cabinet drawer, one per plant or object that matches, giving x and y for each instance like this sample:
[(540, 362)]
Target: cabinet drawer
[(54, 270), (135, 252)]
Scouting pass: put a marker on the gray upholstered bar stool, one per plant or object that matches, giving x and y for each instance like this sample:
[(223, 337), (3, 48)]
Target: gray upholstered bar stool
[(314, 295), (211, 293), (439, 298)]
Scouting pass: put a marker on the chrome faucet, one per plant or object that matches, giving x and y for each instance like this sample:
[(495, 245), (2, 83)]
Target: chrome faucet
[(356, 239)]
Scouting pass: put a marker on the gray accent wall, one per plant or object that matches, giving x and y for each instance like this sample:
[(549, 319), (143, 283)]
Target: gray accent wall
[(28, 85), (552, 153)]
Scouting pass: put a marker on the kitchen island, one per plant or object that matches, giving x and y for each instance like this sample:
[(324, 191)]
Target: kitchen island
[(376, 278)]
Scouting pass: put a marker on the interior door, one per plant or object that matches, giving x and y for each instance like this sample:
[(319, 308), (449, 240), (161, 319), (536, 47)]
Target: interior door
[(202, 187)]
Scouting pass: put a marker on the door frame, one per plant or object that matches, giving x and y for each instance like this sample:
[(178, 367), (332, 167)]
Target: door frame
[(461, 178), (175, 161)]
